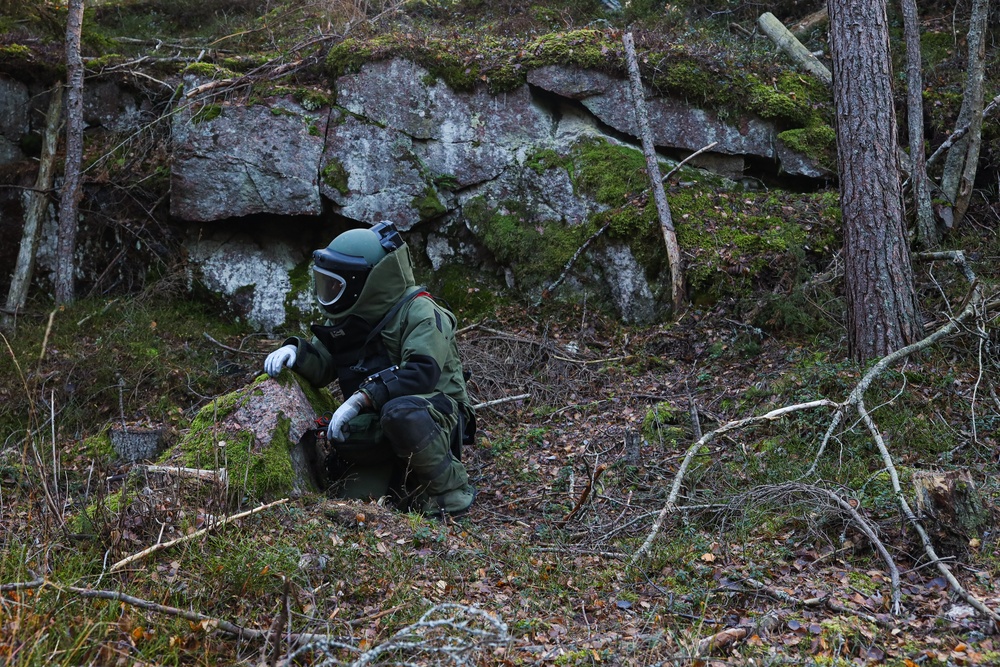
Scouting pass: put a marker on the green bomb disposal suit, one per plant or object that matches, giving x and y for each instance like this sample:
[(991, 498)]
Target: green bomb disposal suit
[(411, 372)]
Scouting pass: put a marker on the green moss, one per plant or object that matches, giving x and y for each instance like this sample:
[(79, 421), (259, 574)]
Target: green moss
[(428, 205), (210, 70), (15, 52), (254, 472), (545, 159), (348, 56), (536, 253), (446, 182), (818, 142), (587, 48), (207, 113), (98, 446), (936, 47), (335, 175), (312, 99), (300, 277), (463, 290), (662, 423)]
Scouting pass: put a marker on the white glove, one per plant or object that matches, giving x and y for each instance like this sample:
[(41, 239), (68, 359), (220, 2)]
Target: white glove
[(348, 410), (277, 360)]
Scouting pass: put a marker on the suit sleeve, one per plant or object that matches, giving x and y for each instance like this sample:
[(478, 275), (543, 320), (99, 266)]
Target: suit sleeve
[(427, 333), (313, 361)]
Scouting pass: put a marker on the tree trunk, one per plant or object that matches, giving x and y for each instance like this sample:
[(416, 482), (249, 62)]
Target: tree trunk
[(653, 167), (68, 224), (38, 204), (881, 302), (963, 159), (927, 230)]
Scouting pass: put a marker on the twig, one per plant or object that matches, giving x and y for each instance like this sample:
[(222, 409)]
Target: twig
[(913, 521), (498, 401), (670, 505), (778, 490), (687, 159), (187, 538), (955, 256), (572, 260), (959, 133), (584, 494), (231, 349)]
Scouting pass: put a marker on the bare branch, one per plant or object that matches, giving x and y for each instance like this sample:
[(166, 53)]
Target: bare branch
[(195, 535)]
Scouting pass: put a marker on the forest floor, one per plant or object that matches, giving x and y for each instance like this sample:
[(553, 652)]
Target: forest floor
[(561, 560)]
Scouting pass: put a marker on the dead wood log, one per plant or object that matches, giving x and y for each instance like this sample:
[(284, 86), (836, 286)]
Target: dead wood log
[(807, 23), (38, 204), (951, 508), (793, 48)]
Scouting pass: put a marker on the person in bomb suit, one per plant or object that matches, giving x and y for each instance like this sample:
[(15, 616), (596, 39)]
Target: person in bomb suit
[(391, 347)]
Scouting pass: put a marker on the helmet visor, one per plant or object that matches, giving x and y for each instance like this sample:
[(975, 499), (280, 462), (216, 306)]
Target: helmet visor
[(329, 286)]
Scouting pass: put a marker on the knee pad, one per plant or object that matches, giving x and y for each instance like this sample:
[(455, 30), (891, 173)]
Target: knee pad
[(408, 424)]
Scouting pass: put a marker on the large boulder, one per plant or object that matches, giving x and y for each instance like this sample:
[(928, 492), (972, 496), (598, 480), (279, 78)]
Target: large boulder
[(231, 160)]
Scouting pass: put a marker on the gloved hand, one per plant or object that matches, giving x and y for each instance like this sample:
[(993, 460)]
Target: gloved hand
[(277, 360), (349, 409)]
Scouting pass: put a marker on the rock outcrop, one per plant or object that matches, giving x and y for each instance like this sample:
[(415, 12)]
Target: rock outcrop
[(401, 145)]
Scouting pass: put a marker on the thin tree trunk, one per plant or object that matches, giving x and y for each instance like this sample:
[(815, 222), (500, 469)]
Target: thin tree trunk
[(881, 301), (960, 167), (927, 230), (38, 204), (653, 168), (68, 223)]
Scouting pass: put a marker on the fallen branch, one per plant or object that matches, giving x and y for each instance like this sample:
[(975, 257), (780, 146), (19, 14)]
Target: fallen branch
[(811, 602), (187, 538), (207, 623), (653, 169), (687, 159), (583, 495), (957, 135), (572, 260), (670, 505), (780, 490), (219, 475), (498, 401), (915, 522), (793, 48), (231, 349)]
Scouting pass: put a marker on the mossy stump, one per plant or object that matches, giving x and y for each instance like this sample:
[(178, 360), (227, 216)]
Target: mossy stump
[(951, 508)]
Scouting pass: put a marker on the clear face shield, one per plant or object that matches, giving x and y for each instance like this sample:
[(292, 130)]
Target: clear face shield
[(329, 286)]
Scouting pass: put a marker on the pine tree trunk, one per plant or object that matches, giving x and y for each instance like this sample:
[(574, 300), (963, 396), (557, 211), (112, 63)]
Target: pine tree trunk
[(38, 204), (927, 230), (881, 301), (68, 223)]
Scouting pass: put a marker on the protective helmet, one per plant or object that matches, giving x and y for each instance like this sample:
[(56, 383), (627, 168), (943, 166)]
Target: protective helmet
[(341, 268)]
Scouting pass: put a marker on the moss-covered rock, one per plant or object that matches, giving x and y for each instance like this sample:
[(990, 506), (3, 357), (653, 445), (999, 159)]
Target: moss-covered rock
[(254, 433)]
